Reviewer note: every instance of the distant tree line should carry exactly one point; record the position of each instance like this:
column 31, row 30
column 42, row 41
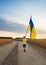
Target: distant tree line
column 6, row 38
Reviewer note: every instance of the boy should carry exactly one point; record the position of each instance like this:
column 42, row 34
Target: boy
column 24, row 43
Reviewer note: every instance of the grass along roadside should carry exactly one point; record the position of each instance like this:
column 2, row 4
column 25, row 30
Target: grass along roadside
column 5, row 41
column 39, row 42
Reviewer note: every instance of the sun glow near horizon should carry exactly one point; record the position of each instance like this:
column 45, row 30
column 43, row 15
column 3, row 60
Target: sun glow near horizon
column 10, row 34
column 20, row 35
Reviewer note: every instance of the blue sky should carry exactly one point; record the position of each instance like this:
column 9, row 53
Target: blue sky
column 19, row 11
column 22, row 8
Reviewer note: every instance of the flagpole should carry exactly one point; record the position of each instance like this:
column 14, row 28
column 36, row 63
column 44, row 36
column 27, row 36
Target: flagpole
column 26, row 33
column 27, row 29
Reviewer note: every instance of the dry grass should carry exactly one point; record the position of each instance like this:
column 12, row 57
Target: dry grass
column 4, row 41
column 39, row 42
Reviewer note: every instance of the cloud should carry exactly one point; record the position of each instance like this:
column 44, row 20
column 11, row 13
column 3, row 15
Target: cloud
column 5, row 25
column 12, row 19
column 41, row 31
column 11, row 24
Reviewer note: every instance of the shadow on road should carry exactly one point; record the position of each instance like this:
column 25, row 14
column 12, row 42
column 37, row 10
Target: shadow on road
column 40, row 50
column 12, row 58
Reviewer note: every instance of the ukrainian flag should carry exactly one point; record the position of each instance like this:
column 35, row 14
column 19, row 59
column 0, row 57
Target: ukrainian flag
column 32, row 29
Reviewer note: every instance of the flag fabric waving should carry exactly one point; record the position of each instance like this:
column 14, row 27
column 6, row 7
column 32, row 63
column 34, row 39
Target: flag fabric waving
column 32, row 29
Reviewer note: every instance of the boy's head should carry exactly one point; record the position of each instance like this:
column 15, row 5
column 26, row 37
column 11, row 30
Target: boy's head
column 24, row 37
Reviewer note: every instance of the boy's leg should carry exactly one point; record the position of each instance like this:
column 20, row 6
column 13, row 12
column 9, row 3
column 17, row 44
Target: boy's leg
column 24, row 45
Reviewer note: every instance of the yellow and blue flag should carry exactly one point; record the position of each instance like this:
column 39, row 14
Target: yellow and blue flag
column 32, row 29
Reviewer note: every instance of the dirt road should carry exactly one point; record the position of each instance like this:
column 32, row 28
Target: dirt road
column 12, row 54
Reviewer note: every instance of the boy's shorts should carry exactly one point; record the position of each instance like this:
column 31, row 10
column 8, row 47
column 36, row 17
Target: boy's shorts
column 24, row 45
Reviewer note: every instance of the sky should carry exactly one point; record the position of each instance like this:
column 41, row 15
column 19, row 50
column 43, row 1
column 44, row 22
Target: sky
column 19, row 11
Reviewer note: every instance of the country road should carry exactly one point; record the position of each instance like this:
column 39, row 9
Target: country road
column 12, row 54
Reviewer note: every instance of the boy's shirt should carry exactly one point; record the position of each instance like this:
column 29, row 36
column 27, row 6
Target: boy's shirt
column 24, row 40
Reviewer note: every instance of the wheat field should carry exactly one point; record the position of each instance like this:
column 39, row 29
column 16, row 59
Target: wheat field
column 5, row 41
column 39, row 42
